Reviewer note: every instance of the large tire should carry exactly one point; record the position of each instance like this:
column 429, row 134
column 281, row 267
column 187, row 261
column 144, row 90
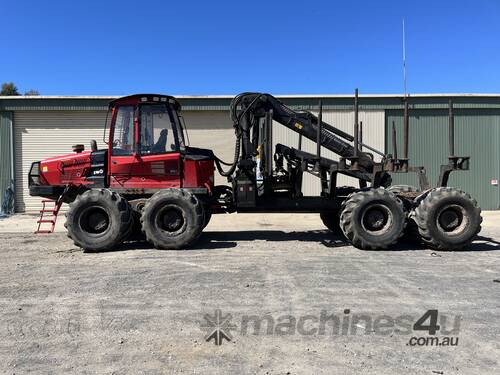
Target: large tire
column 98, row 219
column 372, row 219
column 172, row 219
column 135, row 232
column 448, row 219
column 331, row 220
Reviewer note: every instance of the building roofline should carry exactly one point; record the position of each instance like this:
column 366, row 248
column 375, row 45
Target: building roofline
column 284, row 96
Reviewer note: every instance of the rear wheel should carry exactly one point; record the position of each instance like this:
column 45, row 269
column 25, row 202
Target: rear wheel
column 135, row 232
column 407, row 194
column 372, row 219
column 448, row 219
column 98, row 219
column 331, row 220
column 172, row 219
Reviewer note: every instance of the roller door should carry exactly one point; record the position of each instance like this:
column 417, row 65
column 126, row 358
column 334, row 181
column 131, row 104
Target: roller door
column 39, row 135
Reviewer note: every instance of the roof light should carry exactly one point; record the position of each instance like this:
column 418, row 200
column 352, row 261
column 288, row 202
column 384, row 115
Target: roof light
column 163, row 99
column 144, row 99
column 155, row 98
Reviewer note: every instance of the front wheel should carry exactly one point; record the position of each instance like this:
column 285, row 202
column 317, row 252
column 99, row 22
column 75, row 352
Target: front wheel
column 98, row 219
column 172, row 219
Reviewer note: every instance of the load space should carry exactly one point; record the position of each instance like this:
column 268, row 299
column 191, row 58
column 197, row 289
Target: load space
column 148, row 183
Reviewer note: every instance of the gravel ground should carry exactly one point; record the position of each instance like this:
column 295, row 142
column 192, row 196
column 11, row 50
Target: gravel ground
column 138, row 310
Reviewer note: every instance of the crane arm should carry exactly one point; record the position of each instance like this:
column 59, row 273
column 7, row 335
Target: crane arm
column 248, row 108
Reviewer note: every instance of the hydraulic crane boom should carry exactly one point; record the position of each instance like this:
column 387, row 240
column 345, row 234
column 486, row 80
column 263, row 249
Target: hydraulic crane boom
column 248, row 108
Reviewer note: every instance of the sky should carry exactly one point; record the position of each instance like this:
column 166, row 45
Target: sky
column 225, row 47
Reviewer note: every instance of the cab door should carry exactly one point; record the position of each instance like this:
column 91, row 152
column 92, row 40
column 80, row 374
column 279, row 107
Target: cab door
column 122, row 147
column 154, row 162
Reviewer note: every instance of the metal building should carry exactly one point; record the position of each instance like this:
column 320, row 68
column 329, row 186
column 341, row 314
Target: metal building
column 33, row 128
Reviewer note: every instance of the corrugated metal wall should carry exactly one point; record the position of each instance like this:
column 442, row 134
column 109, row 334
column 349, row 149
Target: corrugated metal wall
column 5, row 152
column 477, row 134
column 373, row 135
column 213, row 130
column 39, row 135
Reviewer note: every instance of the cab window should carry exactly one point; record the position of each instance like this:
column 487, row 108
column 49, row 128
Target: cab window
column 123, row 134
column 156, row 132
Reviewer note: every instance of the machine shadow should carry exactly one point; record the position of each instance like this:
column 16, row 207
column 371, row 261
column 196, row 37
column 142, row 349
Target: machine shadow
column 227, row 240
column 212, row 240
column 323, row 237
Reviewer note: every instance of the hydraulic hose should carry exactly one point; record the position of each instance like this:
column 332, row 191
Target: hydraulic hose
column 237, row 146
column 231, row 170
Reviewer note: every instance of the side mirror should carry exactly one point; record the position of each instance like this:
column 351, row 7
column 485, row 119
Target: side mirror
column 93, row 145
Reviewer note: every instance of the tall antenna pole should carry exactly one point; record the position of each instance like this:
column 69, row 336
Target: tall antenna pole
column 404, row 58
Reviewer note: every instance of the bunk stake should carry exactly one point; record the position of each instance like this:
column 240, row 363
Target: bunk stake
column 361, row 136
column 394, row 142
column 451, row 130
column 406, row 130
column 356, row 134
column 355, row 154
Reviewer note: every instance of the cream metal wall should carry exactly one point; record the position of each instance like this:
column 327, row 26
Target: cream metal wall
column 42, row 134
column 213, row 130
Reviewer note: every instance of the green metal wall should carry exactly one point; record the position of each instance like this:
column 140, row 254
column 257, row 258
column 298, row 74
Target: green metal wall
column 477, row 134
column 5, row 152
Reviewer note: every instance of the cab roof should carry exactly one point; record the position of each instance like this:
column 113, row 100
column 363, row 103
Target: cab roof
column 145, row 98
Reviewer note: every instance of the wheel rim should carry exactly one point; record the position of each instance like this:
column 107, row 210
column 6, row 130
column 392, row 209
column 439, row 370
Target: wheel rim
column 452, row 219
column 376, row 219
column 170, row 219
column 94, row 220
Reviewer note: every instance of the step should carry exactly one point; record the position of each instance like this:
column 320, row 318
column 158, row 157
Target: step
column 54, row 211
column 46, row 221
column 43, row 232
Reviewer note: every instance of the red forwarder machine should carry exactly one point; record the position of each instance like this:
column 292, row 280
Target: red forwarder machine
column 148, row 180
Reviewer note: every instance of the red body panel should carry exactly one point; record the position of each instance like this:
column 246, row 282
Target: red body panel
column 198, row 173
column 130, row 172
column 145, row 172
column 66, row 169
